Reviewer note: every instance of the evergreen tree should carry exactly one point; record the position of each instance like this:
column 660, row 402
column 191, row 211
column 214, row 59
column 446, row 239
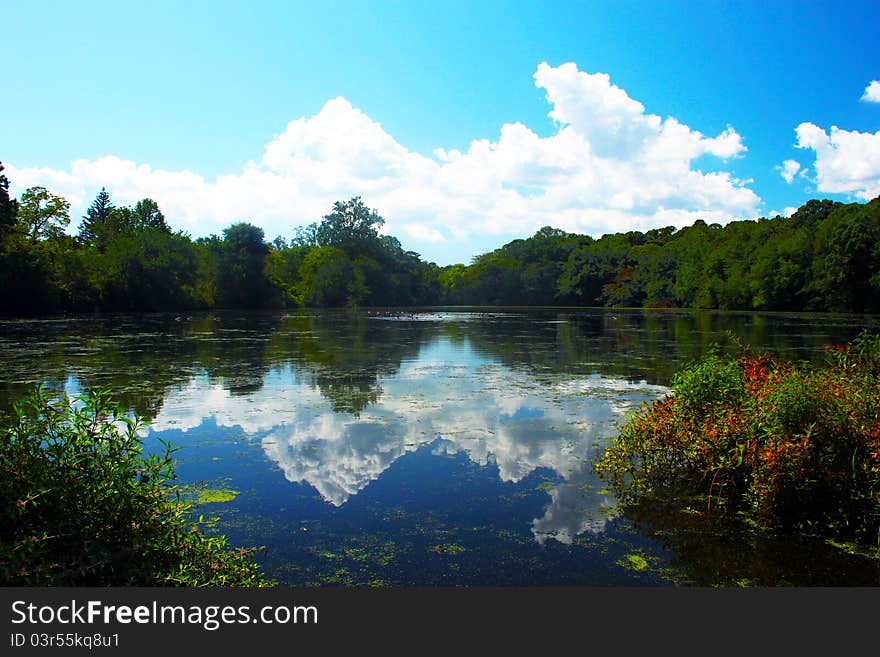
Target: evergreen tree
column 91, row 229
column 8, row 206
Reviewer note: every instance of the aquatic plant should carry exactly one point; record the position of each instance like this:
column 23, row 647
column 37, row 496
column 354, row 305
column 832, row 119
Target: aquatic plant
column 781, row 445
column 81, row 504
column 215, row 495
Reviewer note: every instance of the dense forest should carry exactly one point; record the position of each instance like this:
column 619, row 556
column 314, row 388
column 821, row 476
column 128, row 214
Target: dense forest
column 825, row 257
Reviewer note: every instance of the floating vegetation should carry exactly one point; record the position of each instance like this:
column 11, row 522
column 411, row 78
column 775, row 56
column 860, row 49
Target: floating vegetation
column 389, row 454
column 451, row 549
column 633, row 562
column 850, row 547
column 513, row 537
column 215, row 495
column 395, row 514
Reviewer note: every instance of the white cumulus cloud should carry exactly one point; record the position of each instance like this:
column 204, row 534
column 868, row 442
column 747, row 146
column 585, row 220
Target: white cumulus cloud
column 608, row 166
column 847, row 162
column 789, row 169
column 786, row 212
column 872, row 92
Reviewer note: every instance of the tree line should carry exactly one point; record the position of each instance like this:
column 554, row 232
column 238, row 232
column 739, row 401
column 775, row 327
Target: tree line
column 825, row 257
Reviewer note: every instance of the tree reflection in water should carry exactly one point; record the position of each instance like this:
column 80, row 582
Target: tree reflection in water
column 354, row 403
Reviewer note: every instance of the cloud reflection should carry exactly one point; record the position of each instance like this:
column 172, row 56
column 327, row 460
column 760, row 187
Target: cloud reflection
column 491, row 413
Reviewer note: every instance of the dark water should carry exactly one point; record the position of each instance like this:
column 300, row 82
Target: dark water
column 428, row 448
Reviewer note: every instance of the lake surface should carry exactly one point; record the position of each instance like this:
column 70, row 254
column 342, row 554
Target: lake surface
column 435, row 447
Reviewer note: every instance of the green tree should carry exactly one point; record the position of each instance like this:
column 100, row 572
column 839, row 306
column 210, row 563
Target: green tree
column 524, row 271
column 352, row 227
column 495, row 279
column 42, row 215
column 148, row 215
column 592, row 267
column 283, row 270
column 92, row 227
column 8, row 206
column 34, row 270
column 814, row 212
column 208, row 269
column 656, row 267
column 327, row 278
column 306, row 236
column 242, row 282
column 452, row 279
column 846, row 264
column 692, row 244
column 148, row 270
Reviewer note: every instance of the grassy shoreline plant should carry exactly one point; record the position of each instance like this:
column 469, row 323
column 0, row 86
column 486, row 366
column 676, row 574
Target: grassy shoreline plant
column 82, row 505
column 782, row 446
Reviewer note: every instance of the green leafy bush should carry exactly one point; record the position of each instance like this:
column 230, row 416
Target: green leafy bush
column 714, row 380
column 785, row 446
column 82, row 505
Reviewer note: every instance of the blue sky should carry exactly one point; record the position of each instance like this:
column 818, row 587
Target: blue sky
column 465, row 124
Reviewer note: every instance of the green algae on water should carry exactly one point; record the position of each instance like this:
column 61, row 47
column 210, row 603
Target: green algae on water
column 212, row 495
column 633, row 562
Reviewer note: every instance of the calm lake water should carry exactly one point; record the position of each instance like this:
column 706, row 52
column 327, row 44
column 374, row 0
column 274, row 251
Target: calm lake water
column 436, row 447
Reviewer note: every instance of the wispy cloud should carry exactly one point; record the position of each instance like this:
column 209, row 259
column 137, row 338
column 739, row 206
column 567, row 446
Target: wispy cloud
column 789, row 169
